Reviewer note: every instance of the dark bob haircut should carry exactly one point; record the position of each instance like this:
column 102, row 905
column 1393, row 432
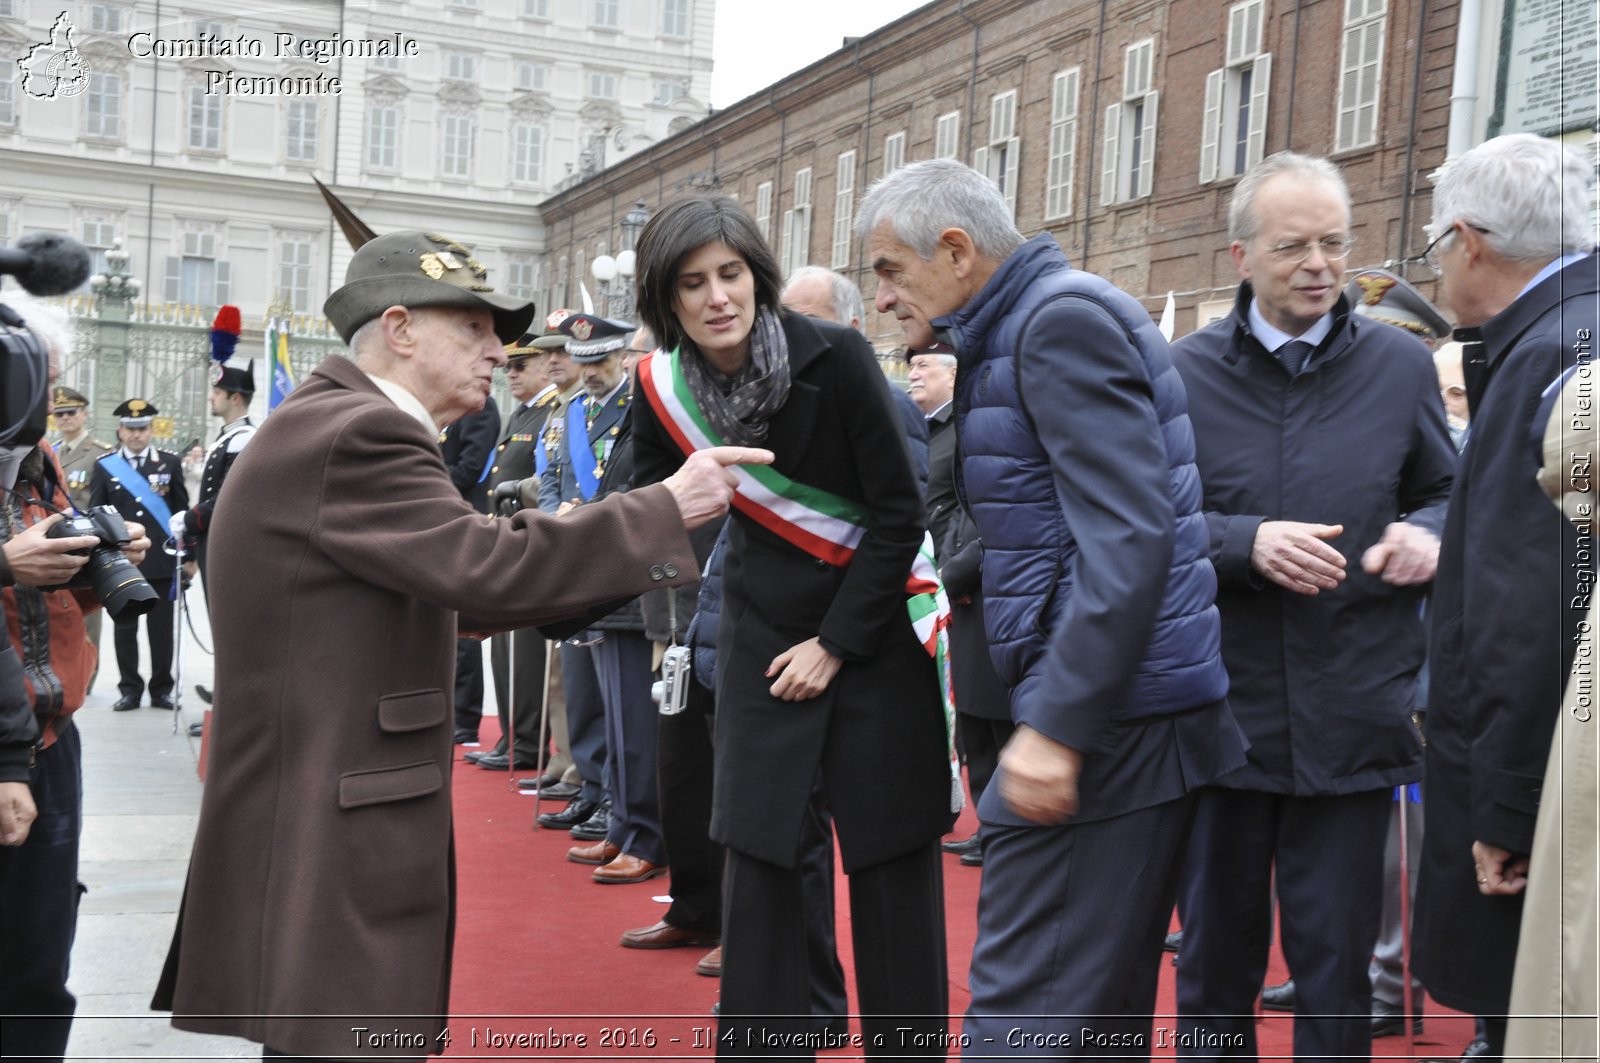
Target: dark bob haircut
column 679, row 229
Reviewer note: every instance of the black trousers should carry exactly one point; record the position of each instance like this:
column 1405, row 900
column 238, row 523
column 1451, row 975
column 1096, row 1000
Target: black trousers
column 469, row 684
column 525, row 651
column 983, row 738
column 897, row 915
column 158, row 627
column 1326, row 856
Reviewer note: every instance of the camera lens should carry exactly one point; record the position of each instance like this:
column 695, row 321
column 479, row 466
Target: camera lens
column 118, row 584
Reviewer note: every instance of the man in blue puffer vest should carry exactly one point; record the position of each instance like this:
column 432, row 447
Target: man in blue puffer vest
column 1078, row 465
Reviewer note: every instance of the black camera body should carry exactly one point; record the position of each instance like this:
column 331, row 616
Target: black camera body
column 113, row 578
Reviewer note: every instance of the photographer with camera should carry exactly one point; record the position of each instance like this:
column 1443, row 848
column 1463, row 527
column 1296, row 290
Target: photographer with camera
column 44, row 672
column 144, row 484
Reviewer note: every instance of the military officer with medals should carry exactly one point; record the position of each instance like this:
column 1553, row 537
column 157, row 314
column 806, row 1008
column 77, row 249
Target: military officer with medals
column 144, row 484
column 78, row 450
column 518, row 456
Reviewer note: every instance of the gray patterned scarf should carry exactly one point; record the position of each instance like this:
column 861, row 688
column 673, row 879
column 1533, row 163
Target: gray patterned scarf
column 739, row 406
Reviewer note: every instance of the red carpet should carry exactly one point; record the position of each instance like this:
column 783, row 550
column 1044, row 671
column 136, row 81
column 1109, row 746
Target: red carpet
column 539, row 973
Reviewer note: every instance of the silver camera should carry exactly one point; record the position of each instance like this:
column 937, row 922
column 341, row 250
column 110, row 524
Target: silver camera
column 671, row 692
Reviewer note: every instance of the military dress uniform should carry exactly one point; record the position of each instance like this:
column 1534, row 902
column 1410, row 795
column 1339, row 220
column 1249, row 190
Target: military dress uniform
column 163, row 473
column 78, row 460
column 219, row 459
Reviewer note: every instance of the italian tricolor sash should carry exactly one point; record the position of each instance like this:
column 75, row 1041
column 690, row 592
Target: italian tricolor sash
column 818, row 522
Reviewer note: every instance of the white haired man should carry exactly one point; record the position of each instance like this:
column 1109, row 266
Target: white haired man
column 1512, row 239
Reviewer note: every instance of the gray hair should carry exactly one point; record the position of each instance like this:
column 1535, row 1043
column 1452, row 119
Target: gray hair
column 848, row 305
column 922, row 200
column 49, row 323
column 1242, row 221
column 364, row 336
column 1532, row 196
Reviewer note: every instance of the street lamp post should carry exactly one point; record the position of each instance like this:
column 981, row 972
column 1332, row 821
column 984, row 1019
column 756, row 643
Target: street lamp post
column 114, row 293
column 614, row 276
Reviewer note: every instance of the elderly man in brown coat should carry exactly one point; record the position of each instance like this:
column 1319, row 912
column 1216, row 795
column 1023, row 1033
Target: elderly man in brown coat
column 319, row 909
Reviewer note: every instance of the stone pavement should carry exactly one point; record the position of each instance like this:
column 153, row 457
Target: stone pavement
column 141, row 801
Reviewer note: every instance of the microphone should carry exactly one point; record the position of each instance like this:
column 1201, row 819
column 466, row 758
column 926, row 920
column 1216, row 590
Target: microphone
column 46, row 263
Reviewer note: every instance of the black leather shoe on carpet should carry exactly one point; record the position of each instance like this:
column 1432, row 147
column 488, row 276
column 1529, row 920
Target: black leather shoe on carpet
column 575, row 813
column 960, row 846
column 973, row 857
column 1393, row 1024
column 1278, row 997
column 466, row 738
column 1173, row 942
column 204, row 692
column 125, row 704
column 595, row 827
column 476, row 755
column 502, row 762
column 559, row 791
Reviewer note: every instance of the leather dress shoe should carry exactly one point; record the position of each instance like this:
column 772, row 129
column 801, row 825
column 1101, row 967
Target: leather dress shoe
column 595, row 827
column 125, row 704
column 579, row 810
column 1278, row 997
column 537, row 782
column 1393, row 1024
column 664, row 935
column 1173, row 941
column 710, row 965
column 599, row 853
column 627, row 868
column 960, row 846
column 162, row 702
column 973, row 857
column 476, row 755
column 1475, row 1048
column 466, row 738
column 197, row 730
column 557, row 791
column 503, row 762
column 204, row 692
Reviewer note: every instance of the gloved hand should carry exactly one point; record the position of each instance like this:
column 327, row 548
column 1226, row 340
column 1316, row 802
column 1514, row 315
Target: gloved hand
column 507, row 499
column 175, row 526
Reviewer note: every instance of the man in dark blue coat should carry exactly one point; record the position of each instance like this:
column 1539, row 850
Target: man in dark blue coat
column 1512, row 225
column 1322, row 445
column 1079, row 466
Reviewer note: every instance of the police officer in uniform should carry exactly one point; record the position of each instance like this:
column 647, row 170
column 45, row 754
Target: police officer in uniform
column 145, row 485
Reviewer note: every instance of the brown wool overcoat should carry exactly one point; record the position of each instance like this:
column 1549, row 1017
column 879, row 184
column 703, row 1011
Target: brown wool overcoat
column 320, row 895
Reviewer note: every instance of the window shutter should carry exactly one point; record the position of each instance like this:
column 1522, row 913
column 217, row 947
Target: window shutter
column 1009, row 183
column 1113, row 151
column 1147, row 160
column 224, row 281
column 172, row 281
column 1211, row 125
column 1260, row 82
column 980, row 162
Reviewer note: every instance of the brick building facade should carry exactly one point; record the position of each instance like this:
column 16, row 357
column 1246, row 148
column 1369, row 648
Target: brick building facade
column 1119, row 127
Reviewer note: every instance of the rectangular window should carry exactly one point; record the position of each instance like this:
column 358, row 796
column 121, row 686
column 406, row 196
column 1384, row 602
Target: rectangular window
column 946, row 135
column 797, row 224
column 527, row 153
column 1063, row 143
column 104, row 18
column 522, row 276
column 383, row 138
column 1233, row 127
column 294, row 274
column 8, row 94
column 455, row 160
column 466, row 3
column 605, row 14
column 894, row 152
column 209, row 27
column 602, row 86
column 535, row 8
column 205, row 120
column 999, row 158
column 764, row 209
column 8, row 8
column 1130, row 142
column 102, row 106
column 300, row 124
column 1360, row 73
column 385, row 62
column 532, row 77
column 99, row 236
column 674, row 18
column 668, row 92
column 461, row 66
column 197, row 277
column 844, row 201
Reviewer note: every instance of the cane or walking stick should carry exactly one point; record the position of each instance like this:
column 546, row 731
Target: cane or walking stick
column 1405, row 925
column 177, row 637
column 544, row 726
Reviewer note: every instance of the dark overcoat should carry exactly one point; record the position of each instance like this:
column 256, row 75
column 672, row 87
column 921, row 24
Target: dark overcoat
column 1513, row 584
column 877, row 733
column 321, row 890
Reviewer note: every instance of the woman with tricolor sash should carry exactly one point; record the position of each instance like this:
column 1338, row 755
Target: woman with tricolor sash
column 829, row 658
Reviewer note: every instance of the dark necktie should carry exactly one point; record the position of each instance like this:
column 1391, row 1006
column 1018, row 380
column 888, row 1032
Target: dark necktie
column 1293, row 355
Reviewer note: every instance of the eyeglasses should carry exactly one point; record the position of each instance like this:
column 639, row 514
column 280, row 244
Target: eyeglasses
column 67, row 411
column 1333, row 250
column 1430, row 254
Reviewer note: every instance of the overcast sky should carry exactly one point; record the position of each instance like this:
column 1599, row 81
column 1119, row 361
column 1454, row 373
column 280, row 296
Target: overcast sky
column 759, row 43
